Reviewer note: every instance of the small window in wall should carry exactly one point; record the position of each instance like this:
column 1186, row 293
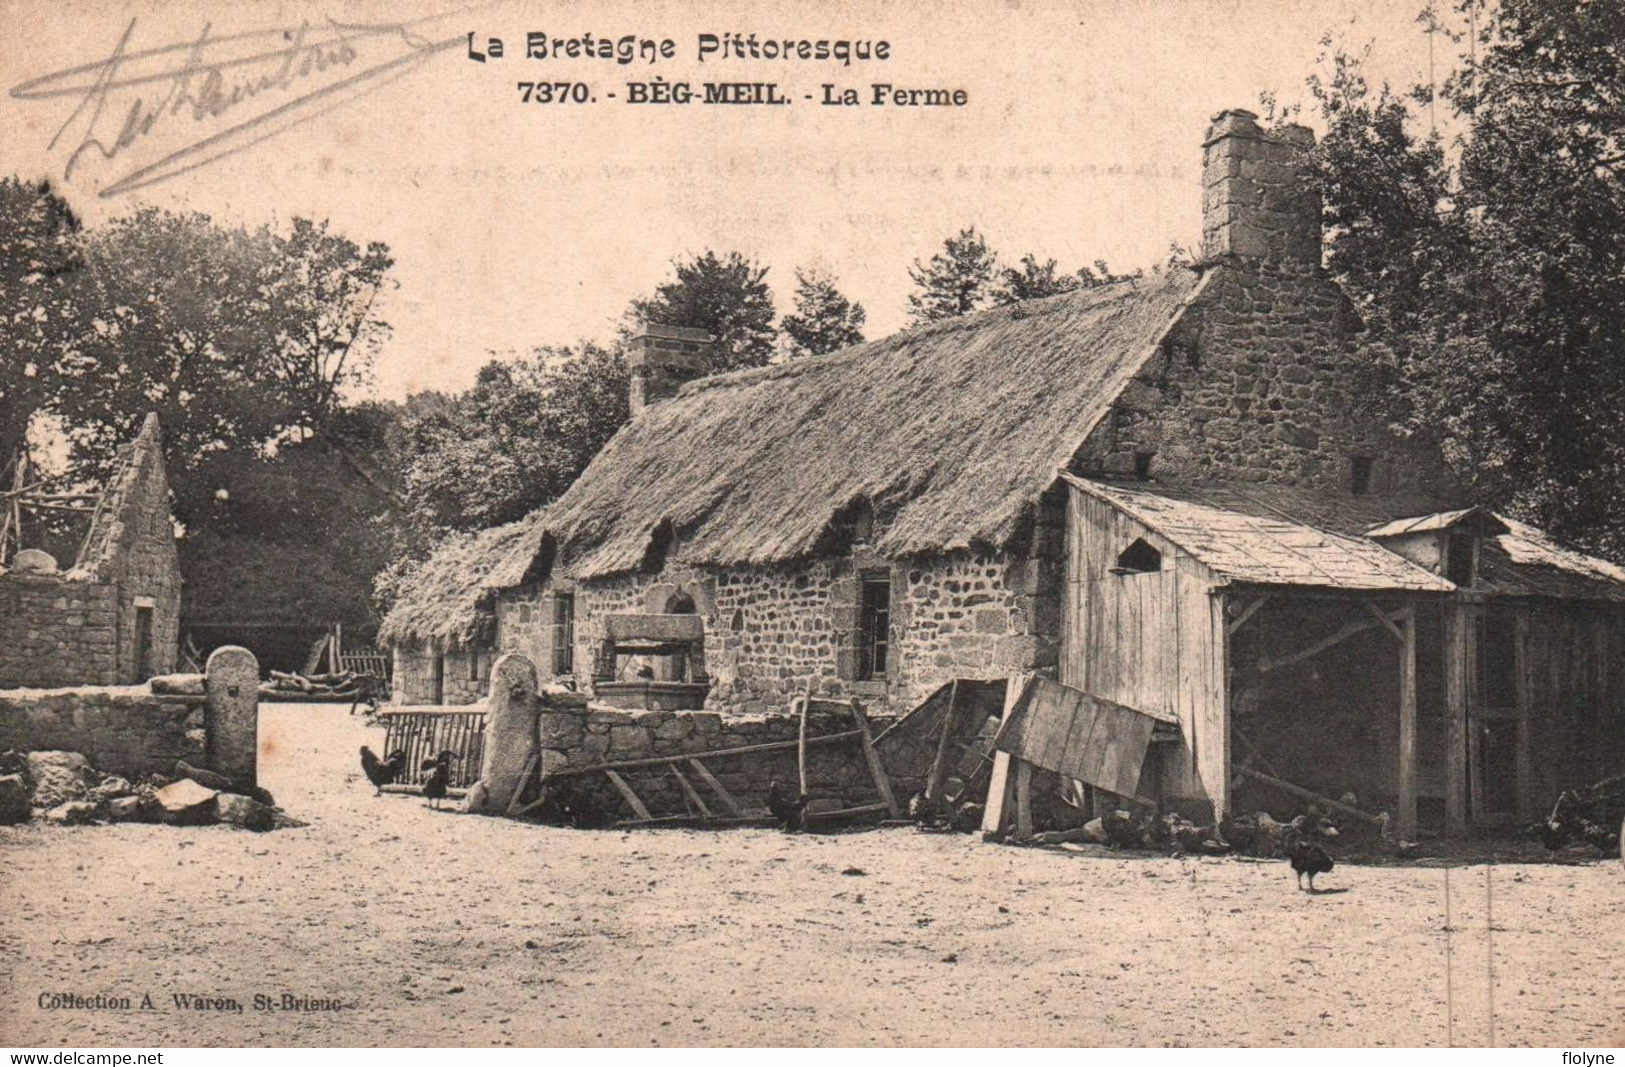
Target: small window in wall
column 1138, row 558
column 564, row 633
column 474, row 666
column 1461, row 559
column 874, row 627
column 1142, row 466
column 1360, row 475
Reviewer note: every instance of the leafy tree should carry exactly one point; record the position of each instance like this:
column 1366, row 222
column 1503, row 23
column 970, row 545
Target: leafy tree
column 513, row 441
column 1488, row 266
column 1032, row 280
column 237, row 339
column 725, row 295
column 956, row 281
column 40, row 309
column 824, row 319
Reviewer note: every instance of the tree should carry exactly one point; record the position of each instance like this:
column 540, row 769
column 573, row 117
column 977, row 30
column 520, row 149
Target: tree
column 956, row 281
column 1487, row 267
column 40, row 307
column 238, row 339
column 824, row 319
column 1033, row 280
column 728, row 296
column 512, row 442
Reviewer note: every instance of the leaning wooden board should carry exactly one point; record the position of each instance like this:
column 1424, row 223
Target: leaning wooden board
column 1070, row 732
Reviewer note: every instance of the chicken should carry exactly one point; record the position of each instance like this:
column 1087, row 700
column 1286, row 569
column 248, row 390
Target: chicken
column 1239, row 831
column 434, row 786
column 1121, row 831
column 382, row 772
column 1307, row 858
column 791, row 813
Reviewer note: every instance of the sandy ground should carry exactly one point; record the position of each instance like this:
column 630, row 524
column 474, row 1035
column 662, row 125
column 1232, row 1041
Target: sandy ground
column 444, row 929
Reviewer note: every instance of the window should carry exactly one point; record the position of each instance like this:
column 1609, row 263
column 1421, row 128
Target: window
column 1360, row 475
column 1142, row 466
column 564, row 633
column 1138, row 558
column 1461, row 552
column 874, row 626
column 474, row 664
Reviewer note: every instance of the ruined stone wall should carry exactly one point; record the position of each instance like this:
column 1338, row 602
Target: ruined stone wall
column 769, row 631
column 1260, row 383
column 123, row 730
column 56, row 632
column 146, row 566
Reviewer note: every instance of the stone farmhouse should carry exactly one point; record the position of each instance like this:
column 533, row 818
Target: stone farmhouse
column 1163, row 493
column 112, row 616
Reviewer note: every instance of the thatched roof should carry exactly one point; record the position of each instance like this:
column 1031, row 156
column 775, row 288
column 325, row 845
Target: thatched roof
column 446, row 603
column 949, row 432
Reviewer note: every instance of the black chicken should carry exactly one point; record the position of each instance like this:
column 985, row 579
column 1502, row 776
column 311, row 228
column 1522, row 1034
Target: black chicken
column 1307, row 858
column 790, row 812
column 382, row 772
column 434, row 786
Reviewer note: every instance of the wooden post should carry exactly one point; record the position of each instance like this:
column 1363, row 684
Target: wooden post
column 801, row 742
column 1001, row 783
column 1456, row 689
column 1526, row 692
column 877, row 770
column 939, row 763
column 1407, row 730
column 1024, row 800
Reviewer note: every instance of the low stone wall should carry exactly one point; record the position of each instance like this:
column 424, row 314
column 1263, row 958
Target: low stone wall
column 56, row 632
column 140, row 729
column 573, row 732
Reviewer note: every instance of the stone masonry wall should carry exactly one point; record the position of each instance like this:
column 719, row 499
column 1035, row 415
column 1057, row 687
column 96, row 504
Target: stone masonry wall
column 1259, row 383
column 147, row 566
column 574, row 734
column 413, row 676
column 56, row 632
column 769, row 631
column 122, row 730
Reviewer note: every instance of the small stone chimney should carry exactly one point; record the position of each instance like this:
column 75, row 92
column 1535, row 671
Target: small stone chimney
column 661, row 358
column 1258, row 201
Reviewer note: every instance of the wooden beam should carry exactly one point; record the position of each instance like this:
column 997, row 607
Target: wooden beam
column 1457, row 686
column 847, row 813
column 627, row 795
column 1001, row 783
column 524, row 780
column 694, row 798
column 1310, row 794
column 1246, row 613
column 1387, row 620
column 1407, row 730
column 801, row 745
column 1523, row 668
column 1343, row 634
column 877, row 769
column 717, row 753
column 723, row 795
column 1024, row 800
column 939, row 762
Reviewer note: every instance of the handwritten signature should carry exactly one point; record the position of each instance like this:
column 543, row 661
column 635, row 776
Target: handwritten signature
column 129, row 96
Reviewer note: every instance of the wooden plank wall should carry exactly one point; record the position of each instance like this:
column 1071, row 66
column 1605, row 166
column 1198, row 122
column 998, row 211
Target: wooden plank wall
column 1576, row 691
column 1152, row 641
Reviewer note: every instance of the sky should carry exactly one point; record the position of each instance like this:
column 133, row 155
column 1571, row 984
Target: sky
column 515, row 224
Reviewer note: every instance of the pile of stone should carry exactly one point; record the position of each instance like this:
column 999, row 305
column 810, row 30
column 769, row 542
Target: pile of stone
column 63, row 787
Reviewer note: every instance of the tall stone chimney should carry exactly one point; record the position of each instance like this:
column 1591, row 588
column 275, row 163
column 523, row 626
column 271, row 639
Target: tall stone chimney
column 1258, row 202
column 661, row 358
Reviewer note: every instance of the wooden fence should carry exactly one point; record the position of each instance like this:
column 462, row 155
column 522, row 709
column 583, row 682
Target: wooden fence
column 425, row 732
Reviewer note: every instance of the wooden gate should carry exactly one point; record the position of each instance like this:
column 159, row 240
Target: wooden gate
column 425, row 732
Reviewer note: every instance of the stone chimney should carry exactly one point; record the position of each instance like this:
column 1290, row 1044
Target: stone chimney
column 661, row 358
column 1258, row 202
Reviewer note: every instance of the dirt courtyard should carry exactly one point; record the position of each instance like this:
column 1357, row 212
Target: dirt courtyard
column 442, row 929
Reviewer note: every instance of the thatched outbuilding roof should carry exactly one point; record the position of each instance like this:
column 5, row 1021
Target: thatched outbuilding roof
column 446, row 603
column 949, row 432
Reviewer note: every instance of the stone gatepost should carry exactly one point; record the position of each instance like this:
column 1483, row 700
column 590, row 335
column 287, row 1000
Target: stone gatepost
column 231, row 718
column 510, row 730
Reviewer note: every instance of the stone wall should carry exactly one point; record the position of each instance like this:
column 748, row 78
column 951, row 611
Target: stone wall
column 770, row 631
column 56, row 632
column 146, row 566
column 574, row 734
column 123, row 730
column 208, row 719
column 466, row 676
